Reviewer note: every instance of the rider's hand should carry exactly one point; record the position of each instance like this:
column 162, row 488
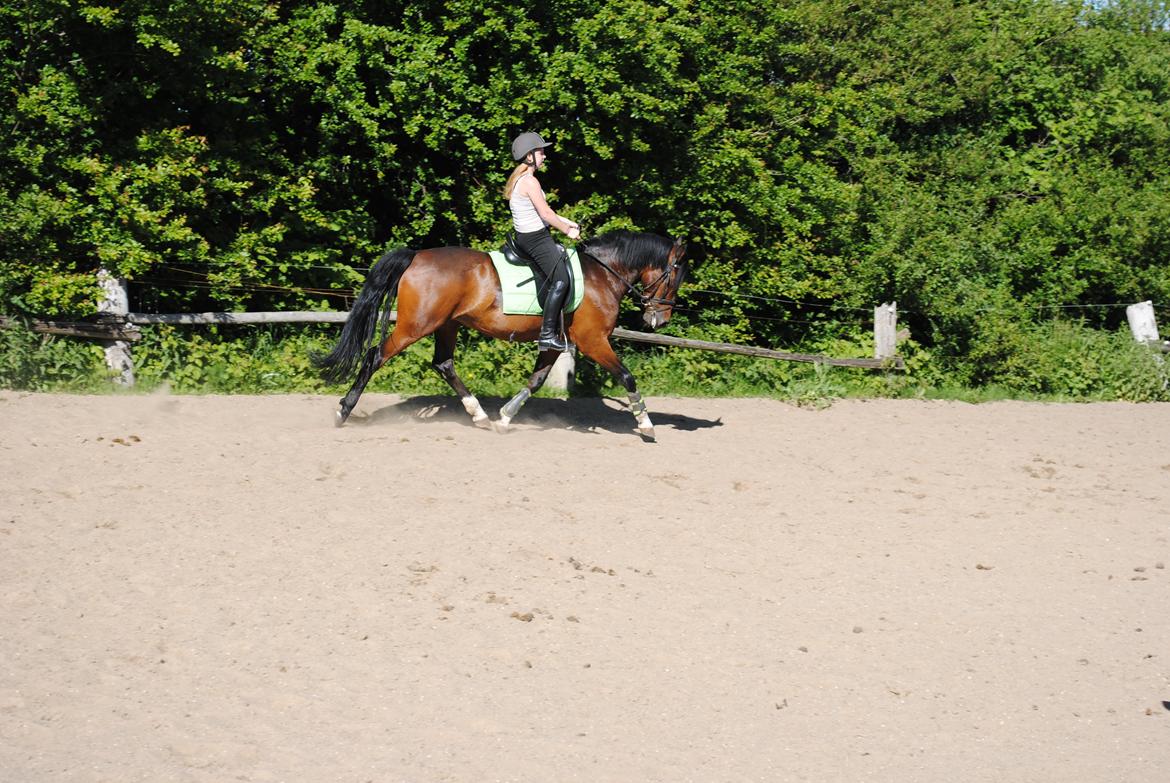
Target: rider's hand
column 574, row 231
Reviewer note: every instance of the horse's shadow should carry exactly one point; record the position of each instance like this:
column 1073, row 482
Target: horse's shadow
column 588, row 415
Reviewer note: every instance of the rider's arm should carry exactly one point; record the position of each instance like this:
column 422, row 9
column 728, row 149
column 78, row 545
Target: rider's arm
column 534, row 191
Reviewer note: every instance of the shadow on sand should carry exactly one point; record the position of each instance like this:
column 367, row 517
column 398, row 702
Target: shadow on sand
column 580, row 414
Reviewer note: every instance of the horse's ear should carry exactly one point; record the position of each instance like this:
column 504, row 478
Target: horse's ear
column 680, row 247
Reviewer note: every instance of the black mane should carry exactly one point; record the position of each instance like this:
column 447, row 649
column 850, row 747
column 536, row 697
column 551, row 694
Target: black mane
column 634, row 250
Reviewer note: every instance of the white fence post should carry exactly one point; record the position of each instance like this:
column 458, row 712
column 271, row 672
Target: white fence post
column 885, row 330
column 1142, row 323
column 115, row 305
column 560, row 377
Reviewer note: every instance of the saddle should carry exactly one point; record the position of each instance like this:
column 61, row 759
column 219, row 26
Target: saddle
column 516, row 257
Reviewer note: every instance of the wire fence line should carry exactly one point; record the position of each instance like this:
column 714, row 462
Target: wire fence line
column 353, row 292
column 347, row 294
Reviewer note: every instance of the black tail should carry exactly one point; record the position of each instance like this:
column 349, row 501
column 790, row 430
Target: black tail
column 377, row 295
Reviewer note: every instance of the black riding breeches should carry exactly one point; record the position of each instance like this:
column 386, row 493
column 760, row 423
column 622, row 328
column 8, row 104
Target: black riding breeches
column 547, row 254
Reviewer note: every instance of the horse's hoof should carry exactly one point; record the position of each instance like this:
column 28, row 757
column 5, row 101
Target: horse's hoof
column 339, row 418
column 501, row 426
column 647, row 433
column 483, row 422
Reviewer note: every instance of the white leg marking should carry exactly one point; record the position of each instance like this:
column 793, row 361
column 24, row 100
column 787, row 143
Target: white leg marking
column 475, row 410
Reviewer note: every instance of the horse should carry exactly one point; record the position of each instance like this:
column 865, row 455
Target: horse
column 439, row 290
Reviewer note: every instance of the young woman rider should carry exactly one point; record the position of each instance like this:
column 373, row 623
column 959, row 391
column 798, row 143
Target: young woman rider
column 532, row 217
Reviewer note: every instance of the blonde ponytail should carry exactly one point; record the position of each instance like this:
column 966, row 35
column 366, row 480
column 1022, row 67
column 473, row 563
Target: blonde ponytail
column 517, row 173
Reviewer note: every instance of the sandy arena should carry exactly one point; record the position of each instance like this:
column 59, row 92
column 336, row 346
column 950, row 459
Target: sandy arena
column 230, row 589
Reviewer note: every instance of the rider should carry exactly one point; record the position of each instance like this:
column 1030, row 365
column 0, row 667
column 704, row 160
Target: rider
column 531, row 217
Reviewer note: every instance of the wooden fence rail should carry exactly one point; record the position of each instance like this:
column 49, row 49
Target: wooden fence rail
column 291, row 317
column 122, row 327
column 93, row 330
column 124, row 331
column 891, row 363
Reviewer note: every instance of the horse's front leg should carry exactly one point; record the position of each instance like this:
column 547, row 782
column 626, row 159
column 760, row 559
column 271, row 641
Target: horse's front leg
column 444, row 364
column 544, row 363
column 638, row 408
column 599, row 350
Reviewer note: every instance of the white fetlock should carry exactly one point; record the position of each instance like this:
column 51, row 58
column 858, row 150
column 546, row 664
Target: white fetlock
column 475, row 410
column 501, row 424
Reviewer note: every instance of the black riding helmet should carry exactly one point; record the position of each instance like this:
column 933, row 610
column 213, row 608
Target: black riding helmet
column 525, row 143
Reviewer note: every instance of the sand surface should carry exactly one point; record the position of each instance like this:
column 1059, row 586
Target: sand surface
column 231, row 589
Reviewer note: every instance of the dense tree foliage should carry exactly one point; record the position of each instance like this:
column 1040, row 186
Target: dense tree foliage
column 989, row 165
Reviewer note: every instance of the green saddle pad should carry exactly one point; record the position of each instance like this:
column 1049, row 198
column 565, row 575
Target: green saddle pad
column 519, row 287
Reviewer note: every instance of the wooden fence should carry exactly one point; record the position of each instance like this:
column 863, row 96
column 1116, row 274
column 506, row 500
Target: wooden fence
column 117, row 328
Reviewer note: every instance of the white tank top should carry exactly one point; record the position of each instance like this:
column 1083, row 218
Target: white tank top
column 525, row 218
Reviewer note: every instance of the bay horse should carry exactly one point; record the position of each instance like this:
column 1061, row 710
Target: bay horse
column 442, row 289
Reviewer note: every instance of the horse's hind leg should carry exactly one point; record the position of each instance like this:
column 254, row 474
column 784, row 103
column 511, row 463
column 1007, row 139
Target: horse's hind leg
column 444, row 364
column 398, row 341
column 370, row 362
column 544, row 363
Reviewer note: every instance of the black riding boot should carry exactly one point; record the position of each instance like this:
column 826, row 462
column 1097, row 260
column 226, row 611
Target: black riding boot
column 551, row 338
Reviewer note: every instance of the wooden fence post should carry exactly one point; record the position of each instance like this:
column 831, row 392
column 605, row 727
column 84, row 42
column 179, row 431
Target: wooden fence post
column 115, row 306
column 885, row 330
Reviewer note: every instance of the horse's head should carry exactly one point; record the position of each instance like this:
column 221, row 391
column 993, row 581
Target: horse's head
column 660, row 286
column 649, row 267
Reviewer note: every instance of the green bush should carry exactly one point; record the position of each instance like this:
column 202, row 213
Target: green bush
column 226, row 360
column 1068, row 360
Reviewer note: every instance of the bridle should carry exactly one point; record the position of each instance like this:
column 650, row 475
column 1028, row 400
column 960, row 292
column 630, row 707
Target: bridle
column 646, row 295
